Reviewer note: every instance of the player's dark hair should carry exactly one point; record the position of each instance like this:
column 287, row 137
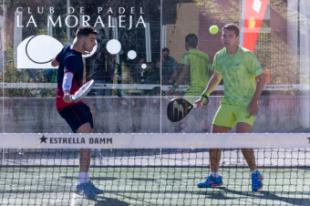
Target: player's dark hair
column 191, row 40
column 85, row 31
column 232, row 27
column 165, row 50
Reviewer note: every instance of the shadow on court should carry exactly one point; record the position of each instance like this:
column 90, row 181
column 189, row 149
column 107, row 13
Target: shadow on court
column 216, row 194
column 261, row 195
column 290, row 200
column 110, row 202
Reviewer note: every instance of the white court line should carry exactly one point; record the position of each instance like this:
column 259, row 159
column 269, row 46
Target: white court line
column 72, row 200
column 75, row 197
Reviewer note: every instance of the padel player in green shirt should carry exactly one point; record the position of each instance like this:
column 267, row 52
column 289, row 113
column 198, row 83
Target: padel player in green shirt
column 243, row 84
column 195, row 67
column 195, row 64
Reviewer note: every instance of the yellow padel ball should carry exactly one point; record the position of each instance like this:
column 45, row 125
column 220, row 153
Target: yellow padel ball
column 214, row 29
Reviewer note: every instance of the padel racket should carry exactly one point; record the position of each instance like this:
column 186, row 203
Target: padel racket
column 83, row 91
column 178, row 108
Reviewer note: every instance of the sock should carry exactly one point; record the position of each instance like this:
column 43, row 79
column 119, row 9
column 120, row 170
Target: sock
column 84, row 177
column 214, row 174
column 254, row 171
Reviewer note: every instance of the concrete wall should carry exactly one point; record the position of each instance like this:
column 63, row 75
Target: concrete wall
column 277, row 114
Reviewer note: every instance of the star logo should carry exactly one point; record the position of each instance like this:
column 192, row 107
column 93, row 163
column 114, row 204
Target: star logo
column 43, row 139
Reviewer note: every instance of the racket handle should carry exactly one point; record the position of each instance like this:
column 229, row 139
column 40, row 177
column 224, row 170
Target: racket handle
column 69, row 98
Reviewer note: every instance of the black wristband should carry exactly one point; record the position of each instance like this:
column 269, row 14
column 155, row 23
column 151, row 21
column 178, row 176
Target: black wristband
column 205, row 95
column 205, row 98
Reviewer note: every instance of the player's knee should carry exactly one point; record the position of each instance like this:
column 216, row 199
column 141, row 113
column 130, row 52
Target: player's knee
column 85, row 128
column 243, row 128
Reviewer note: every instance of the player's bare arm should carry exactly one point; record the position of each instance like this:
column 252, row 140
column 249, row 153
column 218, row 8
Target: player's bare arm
column 212, row 84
